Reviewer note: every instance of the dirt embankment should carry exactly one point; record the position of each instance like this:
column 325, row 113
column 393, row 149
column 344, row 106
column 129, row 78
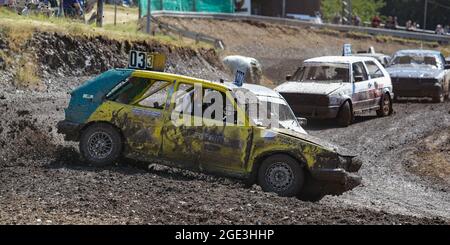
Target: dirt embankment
column 32, row 61
column 280, row 48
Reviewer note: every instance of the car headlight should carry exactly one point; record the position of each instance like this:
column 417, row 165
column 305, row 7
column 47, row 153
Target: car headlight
column 335, row 100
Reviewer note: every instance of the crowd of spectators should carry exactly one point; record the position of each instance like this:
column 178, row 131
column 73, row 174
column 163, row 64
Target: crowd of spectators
column 72, row 8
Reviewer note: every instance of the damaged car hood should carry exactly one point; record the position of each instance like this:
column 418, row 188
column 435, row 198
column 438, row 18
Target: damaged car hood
column 414, row 71
column 323, row 143
column 309, row 87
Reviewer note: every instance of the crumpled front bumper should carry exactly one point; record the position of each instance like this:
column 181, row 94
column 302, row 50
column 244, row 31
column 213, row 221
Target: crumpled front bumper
column 335, row 181
column 70, row 129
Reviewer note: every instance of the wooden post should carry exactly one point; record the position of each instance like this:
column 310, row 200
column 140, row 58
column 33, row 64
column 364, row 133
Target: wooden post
column 61, row 8
column 99, row 13
column 115, row 12
column 149, row 2
column 425, row 15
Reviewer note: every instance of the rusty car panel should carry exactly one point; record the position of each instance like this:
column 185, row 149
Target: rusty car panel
column 150, row 134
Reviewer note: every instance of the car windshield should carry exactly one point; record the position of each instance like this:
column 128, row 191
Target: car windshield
column 323, row 73
column 416, row 59
column 268, row 110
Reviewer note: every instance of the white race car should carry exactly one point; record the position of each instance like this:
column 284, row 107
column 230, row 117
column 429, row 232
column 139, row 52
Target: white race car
column 339, row 87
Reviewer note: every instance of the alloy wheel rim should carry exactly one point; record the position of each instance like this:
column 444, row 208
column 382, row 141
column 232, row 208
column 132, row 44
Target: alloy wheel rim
column 100, row 145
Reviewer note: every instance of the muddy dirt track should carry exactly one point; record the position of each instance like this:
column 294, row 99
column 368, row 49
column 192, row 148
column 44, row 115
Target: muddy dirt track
column 43, row 180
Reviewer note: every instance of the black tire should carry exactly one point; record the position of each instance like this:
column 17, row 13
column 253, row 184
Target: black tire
column 101, row 144
column 385, row 106
column 440, row 98
column 281, row 174
column 345, row 115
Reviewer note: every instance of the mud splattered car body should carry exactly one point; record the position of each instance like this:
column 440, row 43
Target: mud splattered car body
column 338, row 87
column 147, row 133
column 420, row 73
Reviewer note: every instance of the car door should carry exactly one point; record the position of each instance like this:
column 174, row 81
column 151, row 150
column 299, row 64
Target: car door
column 360, row 95
column 226, row 144
column 182, row 135
column 141, row 104
column 376, row 82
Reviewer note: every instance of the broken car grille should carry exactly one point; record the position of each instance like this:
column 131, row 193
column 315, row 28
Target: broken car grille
column 294, row 99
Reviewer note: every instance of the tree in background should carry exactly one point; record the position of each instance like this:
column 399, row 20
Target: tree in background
column 365, row 9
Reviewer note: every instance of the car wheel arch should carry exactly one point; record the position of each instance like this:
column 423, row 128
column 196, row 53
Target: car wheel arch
column 350, row 102
column 89, row 124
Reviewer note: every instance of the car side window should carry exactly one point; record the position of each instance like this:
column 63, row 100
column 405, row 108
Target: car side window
column 128, row 90
column 374, row 70
column 359, row 72
column 184, row 99
column 218, row 107
column 155, row 96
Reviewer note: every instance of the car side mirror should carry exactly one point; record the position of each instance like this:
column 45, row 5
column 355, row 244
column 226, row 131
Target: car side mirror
column 302, row 121
column 288, row 77
column 359, row 78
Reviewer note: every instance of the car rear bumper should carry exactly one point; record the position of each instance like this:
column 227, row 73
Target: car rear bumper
column 69, row 129
column 336, row 181
column 317, row 112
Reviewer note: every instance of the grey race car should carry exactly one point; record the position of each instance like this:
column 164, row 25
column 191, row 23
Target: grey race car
column 420, row 73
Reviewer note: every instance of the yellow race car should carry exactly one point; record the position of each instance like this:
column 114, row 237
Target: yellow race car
column 130, row 113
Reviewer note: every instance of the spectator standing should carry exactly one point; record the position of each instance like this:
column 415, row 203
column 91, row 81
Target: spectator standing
column 337, row 19
column 356, row 20
column 389, row 21
column 439, row 30
column 409, row 25
column 376, row 21
column 72, row 8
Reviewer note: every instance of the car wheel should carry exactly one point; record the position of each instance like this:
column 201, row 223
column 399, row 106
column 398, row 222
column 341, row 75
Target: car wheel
column 345, row 115
column 439, row 98
column 385, row 106
column 281, row 174
column 100, row 144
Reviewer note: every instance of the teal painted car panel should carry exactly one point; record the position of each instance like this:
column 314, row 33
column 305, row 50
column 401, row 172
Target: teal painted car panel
column 89, row 96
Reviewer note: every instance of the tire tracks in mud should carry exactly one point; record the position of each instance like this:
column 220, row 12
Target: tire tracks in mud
column 387, row 145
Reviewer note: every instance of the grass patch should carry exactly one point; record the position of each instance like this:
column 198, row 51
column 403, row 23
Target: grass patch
column 26, row 74
column 24, row 26
column 386, row 39
column 446, row 51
